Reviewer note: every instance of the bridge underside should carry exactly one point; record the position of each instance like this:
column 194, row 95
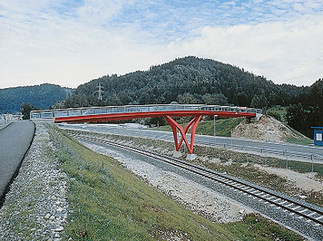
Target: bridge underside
column 196, row 114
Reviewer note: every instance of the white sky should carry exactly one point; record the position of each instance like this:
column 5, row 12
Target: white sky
column 71, row 42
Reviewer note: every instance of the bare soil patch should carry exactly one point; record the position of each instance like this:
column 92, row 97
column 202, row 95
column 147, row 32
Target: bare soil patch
column 304, row 181
column 266, row 129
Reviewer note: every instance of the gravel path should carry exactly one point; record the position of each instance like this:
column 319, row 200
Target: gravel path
column 35, row 208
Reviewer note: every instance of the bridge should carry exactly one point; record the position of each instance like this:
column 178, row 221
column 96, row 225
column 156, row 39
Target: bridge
column 128, row 112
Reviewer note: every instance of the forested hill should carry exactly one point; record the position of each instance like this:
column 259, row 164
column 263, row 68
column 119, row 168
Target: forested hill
column 40, row 96
column 195, row 80
column 187, row 80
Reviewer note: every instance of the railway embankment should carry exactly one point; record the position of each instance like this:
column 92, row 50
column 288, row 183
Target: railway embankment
column 65, row 191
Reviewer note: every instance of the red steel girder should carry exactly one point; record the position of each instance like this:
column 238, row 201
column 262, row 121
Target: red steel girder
column 192, row 124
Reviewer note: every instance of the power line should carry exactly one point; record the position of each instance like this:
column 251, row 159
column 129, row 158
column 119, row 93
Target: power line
column 100, row 91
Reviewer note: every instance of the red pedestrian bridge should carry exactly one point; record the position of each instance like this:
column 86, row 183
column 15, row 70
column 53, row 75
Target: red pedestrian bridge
column 128, row 112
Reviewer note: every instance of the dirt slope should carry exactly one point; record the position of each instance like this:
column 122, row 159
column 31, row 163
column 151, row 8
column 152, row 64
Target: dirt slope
column 266, row 129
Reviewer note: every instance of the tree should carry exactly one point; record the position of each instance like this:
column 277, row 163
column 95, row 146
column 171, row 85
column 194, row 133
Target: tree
column 77, row 100
column 297, row 117
column 25, row 110
column 308, row 111
column 155, row 121
column 242, row 99
column 259, row 101
column 214, row 99
column 187, row 98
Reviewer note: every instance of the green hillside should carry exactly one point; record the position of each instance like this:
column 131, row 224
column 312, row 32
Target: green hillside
column 40, row 96
column 187, row 80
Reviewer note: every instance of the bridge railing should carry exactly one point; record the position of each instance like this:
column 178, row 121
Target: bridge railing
column 85, row 111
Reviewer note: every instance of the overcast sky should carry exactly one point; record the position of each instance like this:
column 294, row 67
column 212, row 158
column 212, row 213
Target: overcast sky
column 70, row 42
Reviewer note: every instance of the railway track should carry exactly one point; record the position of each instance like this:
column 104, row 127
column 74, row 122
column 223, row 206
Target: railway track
column 296, row 208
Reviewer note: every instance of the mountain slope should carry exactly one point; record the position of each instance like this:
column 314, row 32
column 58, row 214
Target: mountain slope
column 41, row 96
column 186, row 80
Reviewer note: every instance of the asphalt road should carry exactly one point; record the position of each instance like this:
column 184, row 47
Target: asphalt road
column 15, row 140
column 282, row 150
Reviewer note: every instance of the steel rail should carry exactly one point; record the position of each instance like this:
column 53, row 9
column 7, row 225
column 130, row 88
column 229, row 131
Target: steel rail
column 266, row 195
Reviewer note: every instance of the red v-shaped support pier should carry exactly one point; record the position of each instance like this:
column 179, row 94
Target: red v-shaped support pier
column 192, row 124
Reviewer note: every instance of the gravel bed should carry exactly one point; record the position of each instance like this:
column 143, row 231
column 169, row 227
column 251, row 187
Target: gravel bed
column 203, row 196
column 36, row 207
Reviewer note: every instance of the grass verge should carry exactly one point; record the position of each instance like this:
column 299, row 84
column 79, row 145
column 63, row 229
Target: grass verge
column 299, row 138
column 110, row 203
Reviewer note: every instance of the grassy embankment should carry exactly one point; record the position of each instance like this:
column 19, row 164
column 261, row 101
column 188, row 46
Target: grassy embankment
column 110, row 203
column 279, row 113
column 299, row 139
